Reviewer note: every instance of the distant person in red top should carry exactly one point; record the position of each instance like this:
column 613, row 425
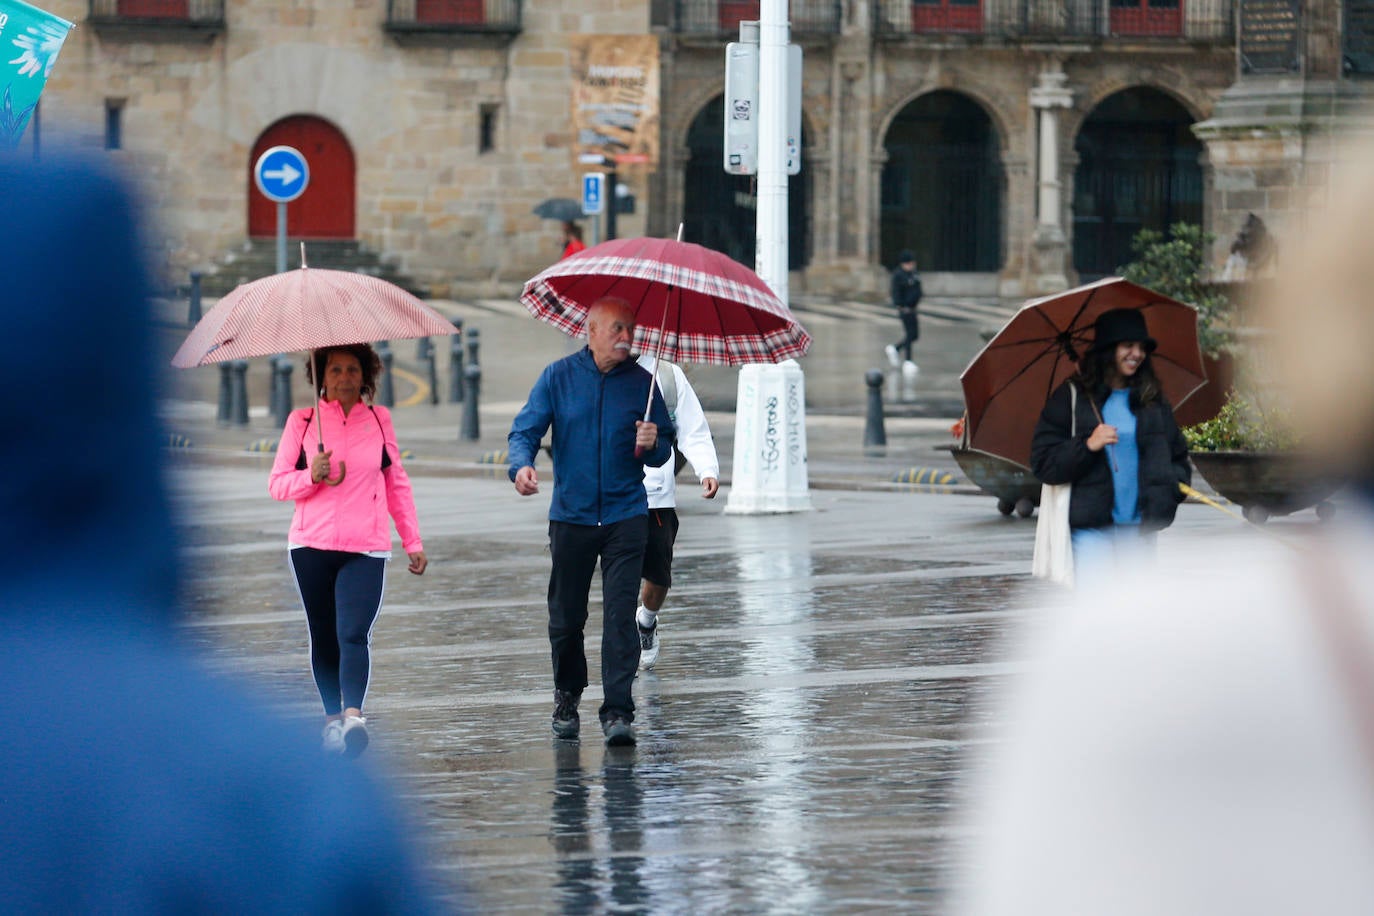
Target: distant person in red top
column 572, row 240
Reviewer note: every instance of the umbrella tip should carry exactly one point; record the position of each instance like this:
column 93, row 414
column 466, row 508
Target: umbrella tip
column 303, row 264
column 679, row 232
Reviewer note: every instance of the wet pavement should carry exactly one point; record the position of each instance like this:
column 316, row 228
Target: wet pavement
column 822, row 677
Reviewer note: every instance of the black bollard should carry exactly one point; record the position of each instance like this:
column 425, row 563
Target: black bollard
column 226, row 384
column 474, row 339
column 386, row 390
column 238, row 393
column 471, row 429
column 274, row 389
column 281, row 388
column 193, row 311
column 455, row 363
column 431, row 367
column 874, row 434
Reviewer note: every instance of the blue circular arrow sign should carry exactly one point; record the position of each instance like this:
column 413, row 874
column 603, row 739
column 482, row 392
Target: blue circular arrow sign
column 281, row 174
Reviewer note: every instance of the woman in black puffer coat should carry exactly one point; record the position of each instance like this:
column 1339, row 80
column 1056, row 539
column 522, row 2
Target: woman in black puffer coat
column 1128, row 456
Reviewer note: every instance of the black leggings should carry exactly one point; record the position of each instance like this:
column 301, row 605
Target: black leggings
column 341, row 593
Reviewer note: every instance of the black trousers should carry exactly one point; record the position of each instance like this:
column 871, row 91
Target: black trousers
column 576, row 549
column 911, row 329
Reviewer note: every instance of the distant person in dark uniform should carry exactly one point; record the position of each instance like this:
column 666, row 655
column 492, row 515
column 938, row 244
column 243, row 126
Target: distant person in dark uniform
column 906, row 295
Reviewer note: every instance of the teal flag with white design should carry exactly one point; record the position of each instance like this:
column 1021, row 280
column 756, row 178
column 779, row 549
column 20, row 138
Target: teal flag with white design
column 29, row 42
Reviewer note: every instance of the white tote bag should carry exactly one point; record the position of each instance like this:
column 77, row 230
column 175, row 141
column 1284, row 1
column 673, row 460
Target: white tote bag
column 1053, row 557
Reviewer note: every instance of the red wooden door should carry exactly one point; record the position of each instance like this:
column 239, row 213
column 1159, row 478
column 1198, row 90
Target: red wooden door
column 732, row 12
column 947, row 16
column 153, row 9
column 325, row 210
column 1147, row 17
column 451, row 12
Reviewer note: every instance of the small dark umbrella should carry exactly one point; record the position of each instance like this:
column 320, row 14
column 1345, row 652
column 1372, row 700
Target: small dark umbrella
column 559, row 208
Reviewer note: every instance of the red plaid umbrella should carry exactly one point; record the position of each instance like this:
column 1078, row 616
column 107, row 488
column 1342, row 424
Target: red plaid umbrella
column 1007, row 384
column 306, row 309
column 691, row 304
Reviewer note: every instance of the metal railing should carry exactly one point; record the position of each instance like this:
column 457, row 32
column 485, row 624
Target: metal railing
column 454, row 16
column 722, row 17
column 1186, row 20
column 172, row 13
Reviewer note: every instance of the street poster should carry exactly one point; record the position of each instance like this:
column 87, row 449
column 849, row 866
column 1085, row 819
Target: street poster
column 615, row 100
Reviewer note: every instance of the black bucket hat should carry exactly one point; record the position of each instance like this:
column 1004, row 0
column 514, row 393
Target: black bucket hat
column 905, row 255
column 1119, row 325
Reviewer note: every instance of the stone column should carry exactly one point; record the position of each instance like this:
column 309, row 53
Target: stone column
column 1049, row 245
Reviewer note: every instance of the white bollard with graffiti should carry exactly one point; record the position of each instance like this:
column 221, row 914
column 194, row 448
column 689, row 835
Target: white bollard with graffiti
column 769, row 470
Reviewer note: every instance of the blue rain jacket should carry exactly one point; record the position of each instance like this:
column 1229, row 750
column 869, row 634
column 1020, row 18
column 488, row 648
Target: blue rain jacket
column 597, row 478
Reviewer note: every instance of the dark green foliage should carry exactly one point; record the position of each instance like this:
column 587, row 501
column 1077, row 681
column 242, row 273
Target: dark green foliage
column 1174, row 266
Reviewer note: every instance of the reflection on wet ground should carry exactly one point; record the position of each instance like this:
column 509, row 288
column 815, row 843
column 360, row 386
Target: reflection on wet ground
column 800, row 740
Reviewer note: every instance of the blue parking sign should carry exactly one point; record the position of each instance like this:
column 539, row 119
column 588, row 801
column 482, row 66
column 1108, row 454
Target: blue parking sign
column 593, row 193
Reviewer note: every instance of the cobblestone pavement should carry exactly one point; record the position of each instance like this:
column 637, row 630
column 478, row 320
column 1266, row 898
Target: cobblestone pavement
column 822, row 678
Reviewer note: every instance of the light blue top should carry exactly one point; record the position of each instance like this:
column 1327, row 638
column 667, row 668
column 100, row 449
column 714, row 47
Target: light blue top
column 1125, row 458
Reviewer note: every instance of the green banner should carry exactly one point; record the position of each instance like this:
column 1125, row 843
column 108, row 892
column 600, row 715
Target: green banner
column 29, row 42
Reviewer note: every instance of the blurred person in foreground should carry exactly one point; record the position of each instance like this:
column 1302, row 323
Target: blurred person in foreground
column 133, row 780
column 1201, row 740
column 1114, row 438
column 694, row 443
column 347, row 492
column 594, row 400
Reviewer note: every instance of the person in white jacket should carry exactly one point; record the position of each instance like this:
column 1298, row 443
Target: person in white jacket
column 695, row 444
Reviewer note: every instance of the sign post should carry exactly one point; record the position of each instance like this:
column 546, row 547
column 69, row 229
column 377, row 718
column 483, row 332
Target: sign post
column 281, row 174
column 594, row 200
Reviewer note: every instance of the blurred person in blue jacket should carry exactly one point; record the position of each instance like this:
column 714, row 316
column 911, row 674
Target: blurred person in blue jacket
column 594, row 400
column 134, row 781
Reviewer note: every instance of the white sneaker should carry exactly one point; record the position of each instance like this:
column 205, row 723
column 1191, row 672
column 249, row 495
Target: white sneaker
column 648, row 644
column 354, row 733
column 892, row 356
column 333, row 737
column 910, row 369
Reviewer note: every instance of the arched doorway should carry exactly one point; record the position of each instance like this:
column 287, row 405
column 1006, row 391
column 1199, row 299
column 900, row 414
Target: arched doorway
column 325, row 210
column 942, row 186
column 1138, row 168
column 719, row 210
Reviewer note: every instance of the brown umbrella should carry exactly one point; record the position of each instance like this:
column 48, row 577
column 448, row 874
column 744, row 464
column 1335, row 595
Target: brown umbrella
column 1008, row 382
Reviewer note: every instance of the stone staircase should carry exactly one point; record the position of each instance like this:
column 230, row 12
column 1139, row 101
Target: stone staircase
column 258, row 258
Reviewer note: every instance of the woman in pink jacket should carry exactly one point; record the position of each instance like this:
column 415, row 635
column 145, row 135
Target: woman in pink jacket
column 339, row 461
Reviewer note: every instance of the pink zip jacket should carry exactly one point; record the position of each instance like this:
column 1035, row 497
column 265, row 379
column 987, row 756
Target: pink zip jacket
column 353, row 515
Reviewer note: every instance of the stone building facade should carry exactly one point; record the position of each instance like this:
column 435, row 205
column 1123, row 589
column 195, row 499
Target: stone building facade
column 1015, row 145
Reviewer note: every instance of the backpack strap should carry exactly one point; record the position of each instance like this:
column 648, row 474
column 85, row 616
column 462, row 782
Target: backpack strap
column 301, row 463
column 386, row 457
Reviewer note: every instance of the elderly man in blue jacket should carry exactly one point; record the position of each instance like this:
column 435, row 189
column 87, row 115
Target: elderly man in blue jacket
column 594, row 399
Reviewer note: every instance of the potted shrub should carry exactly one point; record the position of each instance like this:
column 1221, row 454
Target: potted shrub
column 1248, row 454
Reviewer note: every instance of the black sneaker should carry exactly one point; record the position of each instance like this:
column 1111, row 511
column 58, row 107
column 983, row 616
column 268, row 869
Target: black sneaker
column 619, row 732
column 566, row 722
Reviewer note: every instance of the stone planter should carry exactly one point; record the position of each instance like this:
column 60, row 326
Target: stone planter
column 1265, row 483
column 1015, row 487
